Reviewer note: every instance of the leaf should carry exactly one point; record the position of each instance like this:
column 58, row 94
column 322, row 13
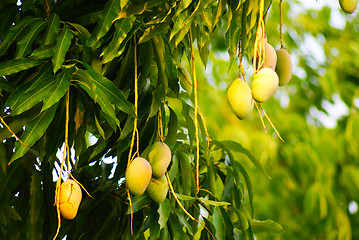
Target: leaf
column 213, row 203
column 31, row 98
column 35, row 129
column 115, row 94
column 124, row 31
column 43, row 73
column 152, row 31
column 17, row 65
column 159, row 54
column 108, row 15
column 172, row 129
column 24, row 45
column 170, row 66
column 219, row 222
column 267, row 226
column 164, row 212
column 5, row 85
column 14, row 33
column 10, row 212
column 239, row 148
column 138, row 202
column 57, row 91
column 52, row 29
column 63, row 43
column 101, row 98
column 42, row 52
column 35, row 197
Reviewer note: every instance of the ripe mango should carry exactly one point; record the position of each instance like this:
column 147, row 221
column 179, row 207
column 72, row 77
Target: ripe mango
column 283, row 67
column 159, row 157
column 270, row 59
column 157, row 189
column 348, row 6
column 138, row 175
column 264, row 84
column 239, row 97
column 69, row 199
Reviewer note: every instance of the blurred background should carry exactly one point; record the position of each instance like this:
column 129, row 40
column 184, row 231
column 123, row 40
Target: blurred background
column 314, row 187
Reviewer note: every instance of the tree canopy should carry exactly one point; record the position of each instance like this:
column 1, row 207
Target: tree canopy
column 87, row 86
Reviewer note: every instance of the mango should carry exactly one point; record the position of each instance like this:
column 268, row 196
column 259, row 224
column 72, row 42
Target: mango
column 270, row 59
column 239, row 97
column 138, row 175
column 157, row 189
column 264, row 84
column 69, row 199
column 283, row 67
column 159, row 157
column 348, row 6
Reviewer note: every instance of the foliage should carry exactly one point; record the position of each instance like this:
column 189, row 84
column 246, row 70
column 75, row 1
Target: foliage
column 312, row 173
column 120, row 65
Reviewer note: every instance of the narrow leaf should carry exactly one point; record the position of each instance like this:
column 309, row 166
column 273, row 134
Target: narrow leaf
column 57, row 91
column 24, row 45
column 239, row 148
column 109, row 13
column 35, row 129
column 52, row 29
column 63, row 43
column 14, row 33
column 113, row 93
column 268, row 226
column 28, row 100
column 17, row 65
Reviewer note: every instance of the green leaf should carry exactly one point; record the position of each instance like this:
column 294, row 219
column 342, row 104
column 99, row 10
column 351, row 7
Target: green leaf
column 42, row 52
column 52, row 29
column 124, row 32
column 31, row 98
column 159, row 54
column 267, row 226
column 10, row 212
column 17, row 65
column 139, row 202
column 5, row 85
column 172, row 129
column 239, row 148
column 43, row 74
column 57, row 91
column 213, row 203
column 63, row 43
column 17, row 123
column 152, row 31
column 164, row 212
column 99, row 97
column 14, row 33
column 35, row 129
column 25, row 43
column 109, row 13
column 114, row 94
column 36, row 198
column 220, row 224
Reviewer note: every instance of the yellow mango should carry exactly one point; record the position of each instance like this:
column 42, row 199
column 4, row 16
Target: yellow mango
column 69, row 199
column 270, row 59
column 239, row 97
column 283, row 67
column 138, row 175
column 264, row 84
column 157, row 189
column 159, row 158
column 348, row 6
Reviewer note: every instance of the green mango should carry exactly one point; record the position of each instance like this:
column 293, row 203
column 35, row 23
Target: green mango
column 264, row 84
column 348, row 6
column 283, row 67
column 157, row 189
column 159, row 158
column 239, row 97
column 138, row 175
